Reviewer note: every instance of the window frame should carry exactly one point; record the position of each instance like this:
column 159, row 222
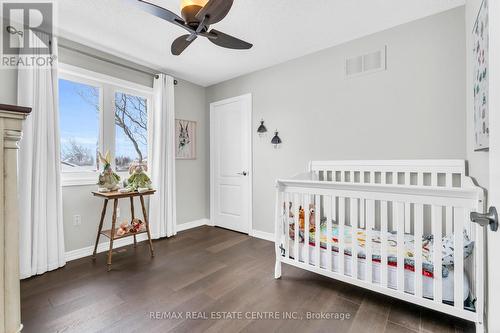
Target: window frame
column 108, row 86
column 84, row 177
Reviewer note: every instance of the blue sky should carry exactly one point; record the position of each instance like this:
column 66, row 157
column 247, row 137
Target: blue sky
column 80, row 121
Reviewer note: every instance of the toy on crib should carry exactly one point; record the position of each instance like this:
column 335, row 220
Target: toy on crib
column 108, row 179
column 312, row 219
column 138, row 180
column 301, row 218
column 290, row 212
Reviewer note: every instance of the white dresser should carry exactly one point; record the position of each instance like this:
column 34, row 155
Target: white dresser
column 11, row 119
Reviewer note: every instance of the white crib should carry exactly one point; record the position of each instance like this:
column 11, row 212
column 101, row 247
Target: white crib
column 418, row 197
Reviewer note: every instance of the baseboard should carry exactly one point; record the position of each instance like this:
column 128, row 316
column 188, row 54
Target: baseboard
column 192, row 224
column 104, row 246
column 263, row 235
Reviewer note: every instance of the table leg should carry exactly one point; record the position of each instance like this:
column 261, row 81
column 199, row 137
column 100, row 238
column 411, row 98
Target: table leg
column 147, row 226
column 103, row 214
column 133, row 217
column 113, row 225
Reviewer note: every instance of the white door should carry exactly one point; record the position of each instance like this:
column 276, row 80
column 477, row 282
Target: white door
column 231, row 163
column 493, row 288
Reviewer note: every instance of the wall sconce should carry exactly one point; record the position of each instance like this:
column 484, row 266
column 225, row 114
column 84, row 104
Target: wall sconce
column 262, row 130
column 276, row 141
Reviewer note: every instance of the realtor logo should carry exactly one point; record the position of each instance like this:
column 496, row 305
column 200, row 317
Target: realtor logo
column 27, row 27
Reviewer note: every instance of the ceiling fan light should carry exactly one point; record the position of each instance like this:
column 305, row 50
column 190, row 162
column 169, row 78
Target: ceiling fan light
column 189, row 9
column 186, row 3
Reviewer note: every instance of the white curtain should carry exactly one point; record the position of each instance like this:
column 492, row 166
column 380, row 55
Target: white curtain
column 40, row 199
column 162, row 214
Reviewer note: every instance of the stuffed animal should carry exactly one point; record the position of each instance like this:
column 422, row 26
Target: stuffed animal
column 137, row 226
column 291, row 223
column 123, row 229
column 138, row 180
column 312, row 218
column 108, row 179
column 301, row 218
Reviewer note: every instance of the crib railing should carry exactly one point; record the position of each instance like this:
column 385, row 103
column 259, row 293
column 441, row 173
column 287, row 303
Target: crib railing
column 443, row 173
column 371, row 207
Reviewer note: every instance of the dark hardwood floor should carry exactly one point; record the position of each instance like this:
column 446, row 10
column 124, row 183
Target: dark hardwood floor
column 208, row 271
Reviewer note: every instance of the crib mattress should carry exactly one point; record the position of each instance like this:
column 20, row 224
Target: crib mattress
column 409, row 273
column 409, row 246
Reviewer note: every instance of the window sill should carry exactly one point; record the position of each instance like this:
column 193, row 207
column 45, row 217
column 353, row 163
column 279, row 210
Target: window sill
column 68, row 179
column 77, row 182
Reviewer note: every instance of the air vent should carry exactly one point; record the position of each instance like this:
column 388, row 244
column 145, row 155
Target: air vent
column 354, row 66
column 366, row 63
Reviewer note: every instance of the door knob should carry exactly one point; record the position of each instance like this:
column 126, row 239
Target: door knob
column 244, row 173
column 490, row 218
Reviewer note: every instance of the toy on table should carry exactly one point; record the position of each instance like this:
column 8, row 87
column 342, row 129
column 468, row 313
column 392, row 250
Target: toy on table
column 123, row 229
column 108, row 179
column 137, row 226
column 138, row 180
column 133, row 228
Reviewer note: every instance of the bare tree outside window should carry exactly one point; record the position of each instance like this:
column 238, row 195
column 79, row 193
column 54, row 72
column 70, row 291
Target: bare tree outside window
column 74, row 153
column 131, row 119
column 131, row 122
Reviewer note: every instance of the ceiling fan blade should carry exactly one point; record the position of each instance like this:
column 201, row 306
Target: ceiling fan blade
column 225, row 40
column 160, row 12
column 215, row 11
column 181, row 43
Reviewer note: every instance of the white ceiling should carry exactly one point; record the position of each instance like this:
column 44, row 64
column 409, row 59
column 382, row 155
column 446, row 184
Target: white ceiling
column 279, row 29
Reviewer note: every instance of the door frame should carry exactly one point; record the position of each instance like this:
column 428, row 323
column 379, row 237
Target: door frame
column 493, row 238
column 247, row 101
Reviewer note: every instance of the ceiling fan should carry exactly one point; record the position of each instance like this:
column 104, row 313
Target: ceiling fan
column 197, row 16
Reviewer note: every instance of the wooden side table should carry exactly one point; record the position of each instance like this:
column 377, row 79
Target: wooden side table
column 111, row 234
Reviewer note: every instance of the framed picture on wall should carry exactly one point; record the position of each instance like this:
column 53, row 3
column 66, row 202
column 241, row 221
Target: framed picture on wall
column 185, row 139
column 480, row 79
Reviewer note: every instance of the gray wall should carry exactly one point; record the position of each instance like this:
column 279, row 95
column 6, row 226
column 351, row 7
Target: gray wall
column 414, row 110
column 191, row 178
column 75, row 54
column 8, row 86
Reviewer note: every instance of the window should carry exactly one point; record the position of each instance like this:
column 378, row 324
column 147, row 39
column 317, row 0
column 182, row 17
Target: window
column 99, row 113
column 79, row 106
column 131, row 127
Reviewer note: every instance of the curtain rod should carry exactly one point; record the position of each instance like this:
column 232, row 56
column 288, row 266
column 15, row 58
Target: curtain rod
column 110, row 61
